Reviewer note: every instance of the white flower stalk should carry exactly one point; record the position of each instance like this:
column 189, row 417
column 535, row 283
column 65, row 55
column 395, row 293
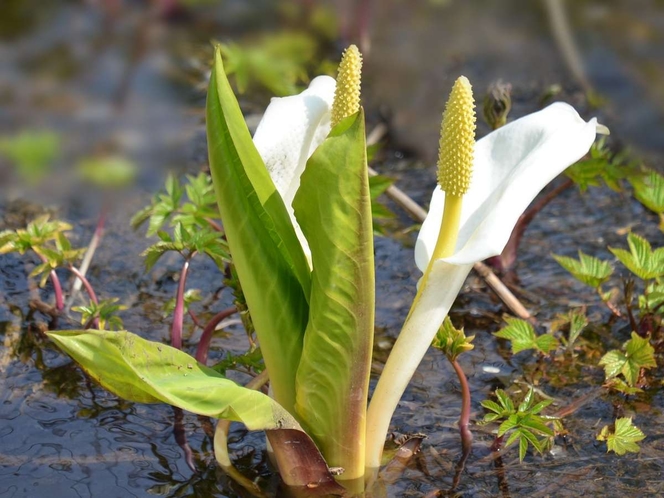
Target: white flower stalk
column 289, row 133
column 511, row 166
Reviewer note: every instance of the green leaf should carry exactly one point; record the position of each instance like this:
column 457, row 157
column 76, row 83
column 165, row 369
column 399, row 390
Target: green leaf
column 642, row 261
column 546, row 343
column 650, row 191
column 613, row 363
column 493, row 406
column 623, row 438
column 333, row 208
column 505, row 400
column 577, row 322
column 522, row 336
column 268, row 257
column 638, row 354
column 587, row 269
column 653, row 297
column 150, row 372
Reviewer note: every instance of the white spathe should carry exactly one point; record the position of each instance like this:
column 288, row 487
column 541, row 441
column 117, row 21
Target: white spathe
column 511, row 166
column 289, row 133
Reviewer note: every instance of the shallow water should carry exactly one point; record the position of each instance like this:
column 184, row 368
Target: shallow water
column 62, row 436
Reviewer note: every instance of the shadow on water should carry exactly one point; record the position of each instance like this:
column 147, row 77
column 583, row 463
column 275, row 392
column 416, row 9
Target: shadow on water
column 78, row 70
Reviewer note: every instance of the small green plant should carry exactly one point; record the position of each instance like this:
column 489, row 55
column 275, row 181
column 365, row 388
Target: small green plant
column 523, row 423
column 453, row 342
column 637, row 354
column 623, row 437
column 48, row 240
column 104, row 311
column 649, row 191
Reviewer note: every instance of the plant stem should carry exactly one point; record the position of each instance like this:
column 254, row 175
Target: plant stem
column 464, row 418
column 57, row 290
column 88, row 289
column 208, row 332
column 178, row 312
column 57, row 287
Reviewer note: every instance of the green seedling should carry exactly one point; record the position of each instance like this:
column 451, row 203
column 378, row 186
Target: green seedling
column 623, row 437
column 523, row 423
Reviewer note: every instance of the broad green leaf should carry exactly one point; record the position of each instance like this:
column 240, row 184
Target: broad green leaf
column 150, row 372
column 638, row 354
column 522, row 336
column 333, row 208
column 267, row 255
column 587, row 269
column 642, row 261
column 650, row 191
column 613, row 363
column 623, row 438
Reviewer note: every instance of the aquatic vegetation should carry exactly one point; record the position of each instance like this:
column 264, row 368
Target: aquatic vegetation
column 295, row 203
column 523, row 422
column 624, row 437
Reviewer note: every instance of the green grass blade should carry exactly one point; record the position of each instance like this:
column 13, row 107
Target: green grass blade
column 333, row 207
column 268, row 257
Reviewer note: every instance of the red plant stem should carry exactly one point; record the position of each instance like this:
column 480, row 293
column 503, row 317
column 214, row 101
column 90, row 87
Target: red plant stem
column 88, row 289
column 206, row 338
column 194, row 318
column 57, row 287
column 178, row 312
column 86, row 284
column 464, row 418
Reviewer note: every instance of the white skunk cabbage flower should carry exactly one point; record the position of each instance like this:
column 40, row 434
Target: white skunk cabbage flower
column 289, row 133
column 511, row 166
